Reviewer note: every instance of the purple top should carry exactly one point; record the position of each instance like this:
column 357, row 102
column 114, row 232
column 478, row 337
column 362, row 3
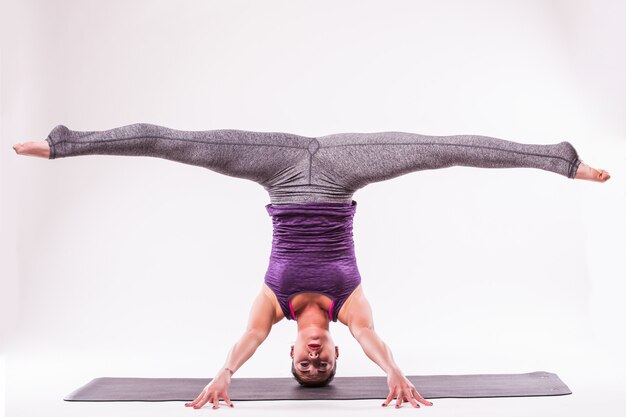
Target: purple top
column 312, row 251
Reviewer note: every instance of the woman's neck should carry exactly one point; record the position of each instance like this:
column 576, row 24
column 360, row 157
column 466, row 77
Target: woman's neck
column 312, row 314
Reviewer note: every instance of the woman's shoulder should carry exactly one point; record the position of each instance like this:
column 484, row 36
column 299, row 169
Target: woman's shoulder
column 278, row 311
column 351, row 305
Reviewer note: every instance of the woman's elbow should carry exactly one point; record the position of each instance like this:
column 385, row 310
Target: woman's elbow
column 359, row 331
column 257, row 335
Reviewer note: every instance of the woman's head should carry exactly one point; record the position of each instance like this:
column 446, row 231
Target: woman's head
column 314, row 357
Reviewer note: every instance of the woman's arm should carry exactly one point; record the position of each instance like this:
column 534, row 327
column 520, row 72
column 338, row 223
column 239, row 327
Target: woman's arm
column 260, row 321
column 361, row 324
column 262, row 318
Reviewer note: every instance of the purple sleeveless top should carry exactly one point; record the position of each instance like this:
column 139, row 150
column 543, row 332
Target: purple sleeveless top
column 312, row 251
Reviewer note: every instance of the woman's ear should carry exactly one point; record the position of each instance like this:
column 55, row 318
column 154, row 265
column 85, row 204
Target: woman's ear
column 291, row 353
column 336, row 351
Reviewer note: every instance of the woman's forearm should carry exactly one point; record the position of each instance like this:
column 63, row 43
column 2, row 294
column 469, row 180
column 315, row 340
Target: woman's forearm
column 242, row 350
column 376, row 349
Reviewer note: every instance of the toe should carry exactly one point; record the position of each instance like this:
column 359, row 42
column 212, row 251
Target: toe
column 603, row 176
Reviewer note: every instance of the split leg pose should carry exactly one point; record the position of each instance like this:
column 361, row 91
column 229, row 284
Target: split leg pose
column 312, row 277
column 144, row 139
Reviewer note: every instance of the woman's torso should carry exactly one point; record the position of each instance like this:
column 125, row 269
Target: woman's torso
column 312, row 257
column 303, row 299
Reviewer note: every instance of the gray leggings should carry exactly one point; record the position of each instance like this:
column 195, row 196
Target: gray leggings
column 298, row 169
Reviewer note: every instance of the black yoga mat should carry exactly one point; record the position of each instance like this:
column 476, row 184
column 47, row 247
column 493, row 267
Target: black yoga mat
column 341, row 388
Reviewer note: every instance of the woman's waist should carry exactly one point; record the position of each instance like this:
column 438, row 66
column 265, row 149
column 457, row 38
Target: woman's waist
column 309, row 273
column 312, row 241
column 313, row 257
column 312, row 250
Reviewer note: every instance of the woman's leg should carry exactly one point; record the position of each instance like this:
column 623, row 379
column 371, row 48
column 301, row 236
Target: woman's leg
column 257, row 156
column 363, row 158
column 350, row 160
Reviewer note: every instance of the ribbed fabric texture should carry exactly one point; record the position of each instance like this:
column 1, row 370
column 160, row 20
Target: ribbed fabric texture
column 312, row 251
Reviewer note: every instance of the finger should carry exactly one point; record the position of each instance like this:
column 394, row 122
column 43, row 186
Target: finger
column 388, row 400
column 408, row 397
column 202, row 401
column 194, row 402
column 198, row 399
column 411, row 399
column 419, row 398
column 228, row 400
column 399, row 399
column 216, row 402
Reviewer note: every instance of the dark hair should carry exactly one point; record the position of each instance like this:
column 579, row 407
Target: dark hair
column 314, row 383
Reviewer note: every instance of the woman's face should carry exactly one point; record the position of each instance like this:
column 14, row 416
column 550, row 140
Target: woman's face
column 314, row 352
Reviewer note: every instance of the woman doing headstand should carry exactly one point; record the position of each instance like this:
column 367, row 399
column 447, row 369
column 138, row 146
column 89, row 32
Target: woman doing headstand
column 312, row 276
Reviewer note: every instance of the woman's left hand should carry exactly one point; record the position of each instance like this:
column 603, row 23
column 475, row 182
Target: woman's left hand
column 403, row 389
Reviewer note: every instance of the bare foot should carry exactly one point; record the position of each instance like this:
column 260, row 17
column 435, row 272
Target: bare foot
column 38, row 148
column 585, row 172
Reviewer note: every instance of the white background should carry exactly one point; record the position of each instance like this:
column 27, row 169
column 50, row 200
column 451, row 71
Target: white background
column 144, row 267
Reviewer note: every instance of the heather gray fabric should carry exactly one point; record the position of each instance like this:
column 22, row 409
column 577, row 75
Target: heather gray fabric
column 298, row 169
column 341, row 388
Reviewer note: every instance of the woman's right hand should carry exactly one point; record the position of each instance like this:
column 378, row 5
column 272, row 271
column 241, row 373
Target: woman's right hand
column 216, row 389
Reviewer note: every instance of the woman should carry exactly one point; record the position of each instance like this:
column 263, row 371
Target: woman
column 312, row 277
